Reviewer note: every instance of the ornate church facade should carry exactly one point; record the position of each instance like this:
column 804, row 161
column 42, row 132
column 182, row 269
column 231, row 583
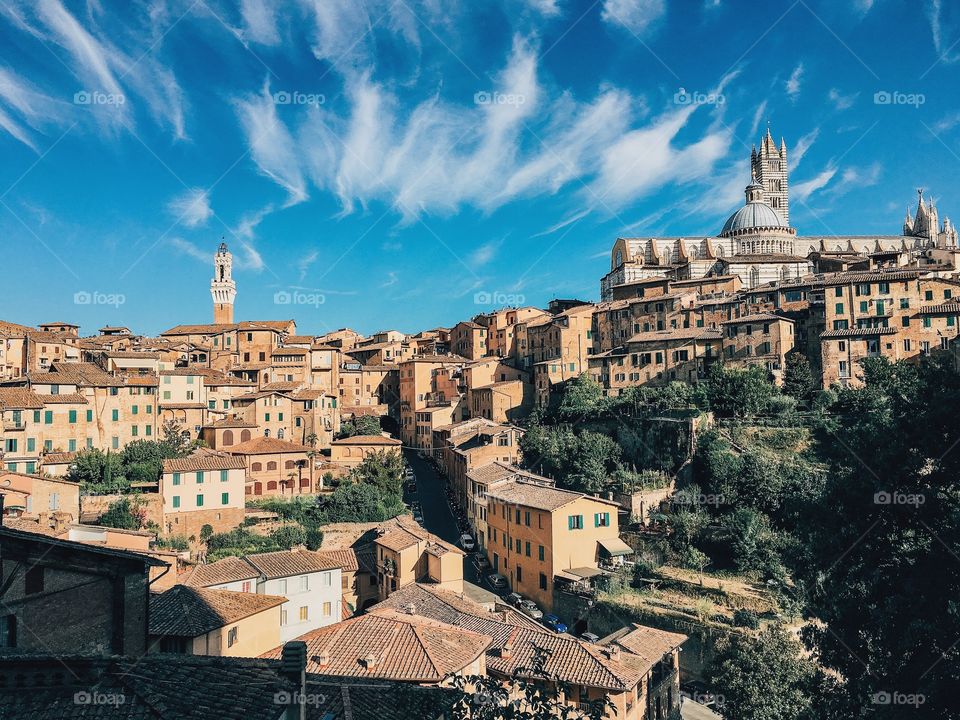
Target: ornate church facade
column 758, row 244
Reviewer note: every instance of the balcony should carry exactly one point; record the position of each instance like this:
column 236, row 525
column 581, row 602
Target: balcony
column 13, row 425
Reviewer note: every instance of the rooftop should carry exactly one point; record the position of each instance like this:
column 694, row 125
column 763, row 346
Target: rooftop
column 189, row 612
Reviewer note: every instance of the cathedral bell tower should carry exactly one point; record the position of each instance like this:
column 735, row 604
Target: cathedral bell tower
column 223, row 289
column 769, row 166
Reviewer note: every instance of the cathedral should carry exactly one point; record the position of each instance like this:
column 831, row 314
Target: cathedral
column 758, row 244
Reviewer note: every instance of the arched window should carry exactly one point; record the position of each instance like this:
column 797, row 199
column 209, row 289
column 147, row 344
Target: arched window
column 271, row 466
column 266, row 433
column 244, row 435
column 289, row 465
column 280, row 434
column 619, row 260
column 272, row 485
column 228, row 437
column 258, row 488
column 256, row 467
column 754, row 276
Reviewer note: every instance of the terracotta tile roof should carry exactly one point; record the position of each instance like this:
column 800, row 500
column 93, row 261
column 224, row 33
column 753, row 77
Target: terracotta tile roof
column 694, row 333
column 307, row 394
column 391, row 646
column 266, row 445
column 221, row 572
column 182, row 405
column 367, row 440
column 543, row 497
column 58, row 458
column 757, row 317
column 493, row 472
column 843, row 278
column 280, row 387
column 175, row 687
column 650, row 643
column 948, row 308
column 571, row 660
column 348, row 559
column 203, row 459
column 857, row 332
column 403, row 532
column 762, row 258
column 15, row 398
column 63, row 399
column 291, row 562
column 231, row 422
column 190, row 612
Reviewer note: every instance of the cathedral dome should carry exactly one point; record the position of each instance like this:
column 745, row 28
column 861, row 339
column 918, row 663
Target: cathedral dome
column 755, row 214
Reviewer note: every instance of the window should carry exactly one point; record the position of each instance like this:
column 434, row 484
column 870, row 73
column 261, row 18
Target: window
column 838, row 291
column 947, row 294
column 905, row 321
column 526, row 520
column 304, row 582
column 283, row 617
column 176, row 478
column 839, row 308
column 928, row 294
column 926, row 322
column 601, row 519
column 519, row 574
column 864, row 306
column 304, row 613
column 33, row 581
column 526, row 549
column 233, row 635
column 844, row 369
column 224, row 475
column 327, row 609
column 904, row 303
column 906, row 344
column 72, row 416
column 327, row 579
column 224, row 498
column 883, row 288
column 115, row 415
column 48, row 417
column 540, row 552
column 200, row 477
column 543, row 581
column 575, row 522
column 199, row 500
column 176, row 501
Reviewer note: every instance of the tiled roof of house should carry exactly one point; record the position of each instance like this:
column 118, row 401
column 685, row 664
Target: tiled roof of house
column 403, row 531
column 221, row 572
column 285, row 563
column 694, row 333
column 190, row 612
column 213, row 329
column 180, row 687
column 857, row 332
column 948, row 308
column 15, row 398
column 280, row 387
column 650, row 643
column 391, row 646
column 347, row 558
column 367, row 440
column 265, row 446
column 63, row 399
column 756, row 317
column 536, row 495
column 230, row 422
column 58, row 458
column 571, row 660
column 203, row 459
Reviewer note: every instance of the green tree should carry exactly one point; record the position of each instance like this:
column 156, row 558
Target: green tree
column 582, row 397
column 98, row 471
column 798, row 380
column 360, row 425
column 738, row 393
column 125, row 514
column 763, row 677
column 206, row 532
column 883, row 579
column 175, row 443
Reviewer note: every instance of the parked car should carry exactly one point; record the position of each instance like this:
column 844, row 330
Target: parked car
column 497, row 581
column 408, row 471
column 482, row 562
column 530, row 609
column 412, row 486
column 514, row 599
column 466, row 542
column 590, row 637
column 554, row 623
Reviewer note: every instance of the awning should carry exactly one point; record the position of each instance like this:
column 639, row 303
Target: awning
column 615, row 547
column 586, row 572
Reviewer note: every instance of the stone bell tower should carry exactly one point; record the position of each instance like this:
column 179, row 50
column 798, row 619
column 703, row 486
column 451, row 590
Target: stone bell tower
column 223, row 289
column 769, row 165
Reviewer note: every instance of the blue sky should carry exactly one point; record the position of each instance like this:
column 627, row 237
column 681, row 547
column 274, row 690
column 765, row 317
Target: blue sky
column 397, row 163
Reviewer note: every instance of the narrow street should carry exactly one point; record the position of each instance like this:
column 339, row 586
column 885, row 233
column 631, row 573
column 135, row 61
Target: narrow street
column 437, row 517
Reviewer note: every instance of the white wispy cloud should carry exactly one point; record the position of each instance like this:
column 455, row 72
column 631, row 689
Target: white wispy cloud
column 546, row 7
column 803, row 190
column 304, row 263
column 191, row 250
column 944, row 47
column 392, row 279
column 260, row 21
column 947, row 123
column 638, row 16
column 802, row 146
column 23, row 108
column 793, row 82
column 485, row 253
column 841, row 101
column 192, row 207
column 757, row 118
column 104, row 67
column 570, row 220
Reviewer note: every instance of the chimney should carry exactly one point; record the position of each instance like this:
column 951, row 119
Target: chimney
column 369, row 661
column 323, row 659
column 506, row 651
column 613, row 652
column 293, row 668
column 410, row 609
